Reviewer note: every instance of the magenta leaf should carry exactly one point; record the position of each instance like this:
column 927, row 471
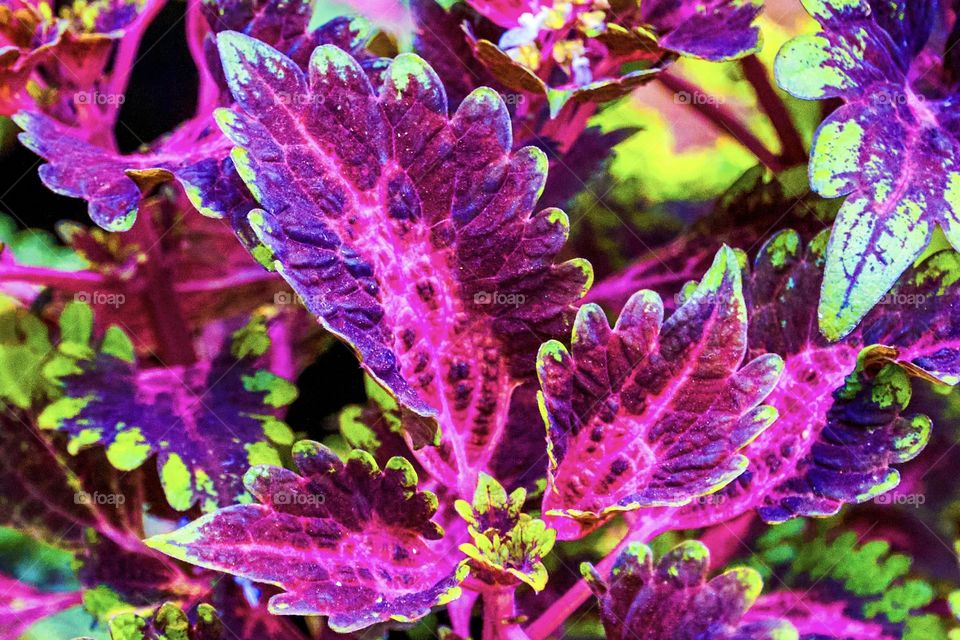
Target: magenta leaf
column 344, row 539
column 21, row 605
column 842, row 406
column 652, row 413
column 408, row 233
column 207, row 423
column 893, row 149
column 673, row 600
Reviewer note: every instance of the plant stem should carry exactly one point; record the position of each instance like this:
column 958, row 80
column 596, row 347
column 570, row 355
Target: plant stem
column 710, row 108
column 197, row 28
column 565, row 606
column 44, row 276
column 162, row 304
column 792, row 151
column 499, row 615
column 127, row 56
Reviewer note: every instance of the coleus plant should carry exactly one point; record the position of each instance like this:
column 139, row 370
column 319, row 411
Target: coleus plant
column 329, row 189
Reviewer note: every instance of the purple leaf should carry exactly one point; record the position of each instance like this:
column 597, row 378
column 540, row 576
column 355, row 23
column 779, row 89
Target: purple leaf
column 842, row 406
column 645, row 415
column 712, row 30
column 673, row 600
column 343, row 539
column 21, row 605
column 207, row 423
column 113, row 183
column 408, row 233
column 893, row 148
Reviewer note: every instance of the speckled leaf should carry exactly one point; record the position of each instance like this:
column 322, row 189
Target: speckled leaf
column 207, row 423
column 843, row 423
column 645, row 415
column 343, row 539
column 673, row 600
column 508, row 545
column 21, row 605
column 892, row 150
column 408, row 233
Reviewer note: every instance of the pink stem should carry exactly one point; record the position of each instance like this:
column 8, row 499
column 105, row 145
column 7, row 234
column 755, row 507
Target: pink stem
column 127, row 56
column 499, row 615
column 239, row 279
column 721, row 117
column 461, row 611
column 197, row 28
column 67, row 280
column 281, row 353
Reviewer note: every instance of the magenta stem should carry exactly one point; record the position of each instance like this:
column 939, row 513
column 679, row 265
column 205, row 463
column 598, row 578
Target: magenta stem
column 208, row 96
column 711, row 109
column 500, row 615
column 43, row 276
column 792, row 151
column 127, row 56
